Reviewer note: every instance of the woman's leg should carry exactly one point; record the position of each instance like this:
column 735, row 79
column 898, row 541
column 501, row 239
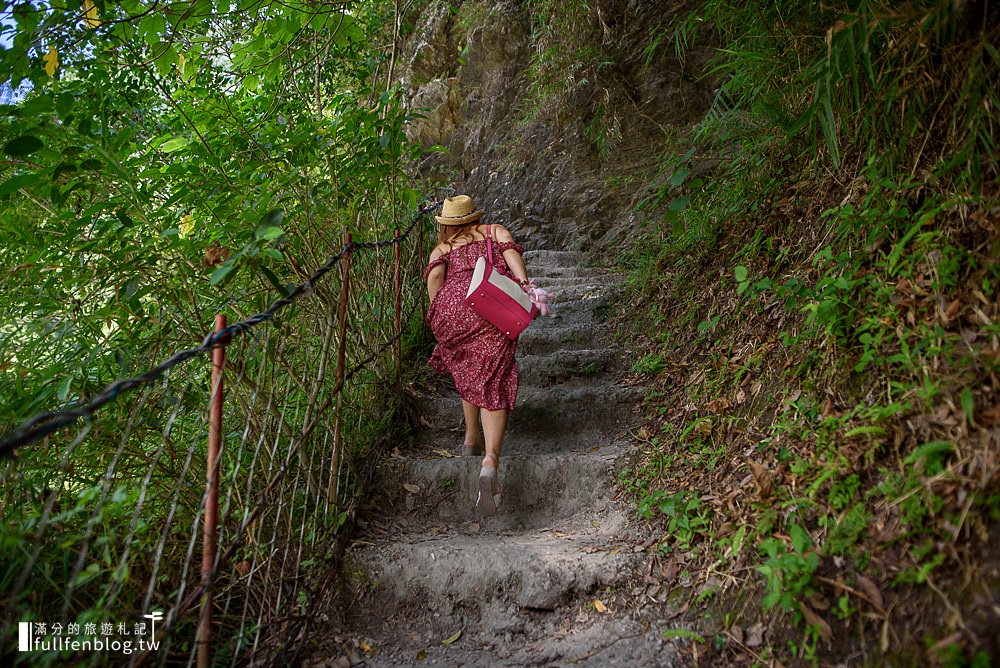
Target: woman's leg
column 494, row 425
column 473, row 434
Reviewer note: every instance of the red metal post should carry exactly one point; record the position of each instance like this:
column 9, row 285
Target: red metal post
column 397, row 295
column 345, row 268
column 210, row 535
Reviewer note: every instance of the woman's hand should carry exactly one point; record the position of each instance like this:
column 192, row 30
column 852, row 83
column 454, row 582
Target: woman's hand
column 514, row 260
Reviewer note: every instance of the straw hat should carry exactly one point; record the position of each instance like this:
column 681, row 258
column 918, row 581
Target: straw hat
column 459, row 210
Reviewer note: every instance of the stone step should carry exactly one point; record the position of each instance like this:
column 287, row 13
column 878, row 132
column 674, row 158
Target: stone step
column 594, row 279
column 577, row 637
column 561, row 413
column 588, row 438
column 474, row 573
column 554, row 258
column 559, row 366
column 552, row 333
column 544, row 272
column 538, row 491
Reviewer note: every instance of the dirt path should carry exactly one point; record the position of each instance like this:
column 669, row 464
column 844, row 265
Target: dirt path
column 521, row 587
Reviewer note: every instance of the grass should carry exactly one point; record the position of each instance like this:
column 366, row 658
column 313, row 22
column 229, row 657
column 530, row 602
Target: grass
column 824, row 314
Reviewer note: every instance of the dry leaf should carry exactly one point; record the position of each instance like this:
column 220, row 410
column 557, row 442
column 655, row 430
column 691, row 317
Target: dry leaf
column 755, row 635
column 452, row 638
column 704, row 428
column 214, row 256
column 871, row 590
column 762, row 477
column 756, row 388
column 424, row 422
column 474, row 527
column 411, row 488
column 643, row 434
column 368, row 649
column 741, row 397
column 718, row 405
column 420, row 655
column 600, row 607
column 813, row 619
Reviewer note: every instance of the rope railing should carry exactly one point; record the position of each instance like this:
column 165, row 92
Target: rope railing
column 45, row 423
column 161, row 531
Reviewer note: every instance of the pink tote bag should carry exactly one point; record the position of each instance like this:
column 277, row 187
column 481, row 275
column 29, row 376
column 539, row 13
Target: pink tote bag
column 498, row 298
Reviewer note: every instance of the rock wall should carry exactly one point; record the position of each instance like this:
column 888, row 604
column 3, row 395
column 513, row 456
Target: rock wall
column 528, row 158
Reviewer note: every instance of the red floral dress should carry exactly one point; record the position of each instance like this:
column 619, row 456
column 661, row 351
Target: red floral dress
column 477, row 354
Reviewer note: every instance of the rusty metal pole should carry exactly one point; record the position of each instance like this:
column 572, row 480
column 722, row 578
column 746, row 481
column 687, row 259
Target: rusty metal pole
column 345, row 269
column 210, row 536
column 397, row 296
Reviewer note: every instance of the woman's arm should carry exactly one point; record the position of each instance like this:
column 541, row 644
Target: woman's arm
column 435, row 279
column 514, row 260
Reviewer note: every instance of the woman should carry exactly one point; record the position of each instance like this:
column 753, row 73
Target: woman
column 477, row 354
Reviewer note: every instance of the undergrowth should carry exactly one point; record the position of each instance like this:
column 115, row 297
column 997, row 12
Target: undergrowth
column 815, row 295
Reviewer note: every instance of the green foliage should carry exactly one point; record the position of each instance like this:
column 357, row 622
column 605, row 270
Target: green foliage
column 687, row 519
column 789, row 573
column 182, row 159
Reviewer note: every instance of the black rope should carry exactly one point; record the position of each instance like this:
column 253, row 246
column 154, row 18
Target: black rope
column 42, row 424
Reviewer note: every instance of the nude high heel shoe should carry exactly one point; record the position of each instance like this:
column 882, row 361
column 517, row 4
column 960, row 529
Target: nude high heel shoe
column 489, row 487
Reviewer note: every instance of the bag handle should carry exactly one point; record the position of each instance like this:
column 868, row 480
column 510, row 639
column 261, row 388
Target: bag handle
column 489, row 244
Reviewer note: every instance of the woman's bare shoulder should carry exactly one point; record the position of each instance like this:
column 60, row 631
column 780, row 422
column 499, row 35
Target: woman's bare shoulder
column 438, row 251
column 501, row 233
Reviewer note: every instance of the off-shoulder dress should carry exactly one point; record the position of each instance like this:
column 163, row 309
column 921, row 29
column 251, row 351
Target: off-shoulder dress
column 478, row 355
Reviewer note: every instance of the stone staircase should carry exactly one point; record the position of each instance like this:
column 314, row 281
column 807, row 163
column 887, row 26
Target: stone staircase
column 520, row 586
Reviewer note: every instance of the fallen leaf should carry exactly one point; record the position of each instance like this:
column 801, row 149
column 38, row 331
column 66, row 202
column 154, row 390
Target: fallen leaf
column 718, row 405
column 452, row 638
column 424, row 422
column 368, row 649
column 741, row 397
column 754, row 635
column 474, row 527
column 420, row 655
column 813, row 619
column 762, row 477
column 443, row 453
column 599, row 606
column 411, row 488
column 643, row 434
column 991, row 416
column 871, row 590
column 704, row 428
column 756, row 388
